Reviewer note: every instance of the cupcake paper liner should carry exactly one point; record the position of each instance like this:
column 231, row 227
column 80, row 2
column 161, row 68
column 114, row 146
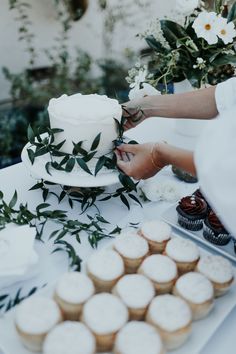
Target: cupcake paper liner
column 193, row 225
column 217, row 239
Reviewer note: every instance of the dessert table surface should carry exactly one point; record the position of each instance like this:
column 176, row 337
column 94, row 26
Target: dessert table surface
column 50, row 266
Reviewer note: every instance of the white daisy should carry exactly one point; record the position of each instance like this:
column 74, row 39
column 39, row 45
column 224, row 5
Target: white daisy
column 205, row 26
column 226, row 31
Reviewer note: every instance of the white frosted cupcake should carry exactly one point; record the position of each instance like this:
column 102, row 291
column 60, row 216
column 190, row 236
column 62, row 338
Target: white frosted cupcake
column 71, row 292
column 35, row 317
column 198, row 291
column 70, row 338
column 161, row 270
column 105, row 314
column 138, row 338
column 132, row 248
column 105, row 268
column 184, row 252
column 157, row 233
column 136, row 291
column 218, row 270
column 172, row 317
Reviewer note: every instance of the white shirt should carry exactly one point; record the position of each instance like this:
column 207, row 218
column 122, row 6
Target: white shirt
column 215, row 157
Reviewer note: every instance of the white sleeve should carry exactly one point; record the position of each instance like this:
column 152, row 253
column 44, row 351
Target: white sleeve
column 225, row 95
column 215, row 160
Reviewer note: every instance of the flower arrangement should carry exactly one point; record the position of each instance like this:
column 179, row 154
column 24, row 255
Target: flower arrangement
column 199, row 46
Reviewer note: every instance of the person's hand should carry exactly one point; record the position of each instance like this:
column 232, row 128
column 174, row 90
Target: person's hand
column 133, row 113
column 140, row 161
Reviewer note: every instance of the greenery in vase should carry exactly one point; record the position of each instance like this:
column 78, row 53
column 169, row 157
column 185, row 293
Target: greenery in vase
column 200, row 48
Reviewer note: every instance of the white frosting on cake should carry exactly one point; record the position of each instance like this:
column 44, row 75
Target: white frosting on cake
column 75, row 287
column 70, row 338
column 131, row 245
column 156, row 230
column 83, row 117
column 159, row 268
column 138, row 338
column 105, row 314
column 135, row 290
column 169, row 312
column 216, row 268
column 182, row 250
column 106, row 265
column 195, row 287
column 37, row 315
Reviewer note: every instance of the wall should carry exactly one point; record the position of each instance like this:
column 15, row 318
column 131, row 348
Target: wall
column 87, row 33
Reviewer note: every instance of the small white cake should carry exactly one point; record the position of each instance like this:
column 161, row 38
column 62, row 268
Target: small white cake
column 35, row 317
column 161, row 270
column 105, row 268
column 105, row 314
column 70, row 338
column 184, row 252
column 157, row 233
column 198, row 291
column 138, row 338
column 132, row 248
column 218, row 270
column 82, row 118
column 136, row 291
column 172, row 317
column 71, row 292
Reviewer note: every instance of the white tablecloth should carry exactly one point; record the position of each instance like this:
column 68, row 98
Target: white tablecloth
column 51, row 266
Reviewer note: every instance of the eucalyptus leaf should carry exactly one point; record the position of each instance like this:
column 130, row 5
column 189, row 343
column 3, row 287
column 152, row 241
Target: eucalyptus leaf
column 83, row 165
column 70, row 164
column 30, row 153
column 30, row 134
column 100, row 164
column 13, row 200
column 95, row 142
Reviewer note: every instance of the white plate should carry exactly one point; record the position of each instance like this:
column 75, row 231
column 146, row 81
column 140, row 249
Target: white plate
column 76, row 178
column 202, row 330
column 171, row 217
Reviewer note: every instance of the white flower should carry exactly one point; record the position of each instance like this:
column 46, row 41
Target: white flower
column 201, row 63
column 152, row 190
column 147, row 90
column 156, row 31
column 161, row 189
column 186, row 6
column 205, row 26
column 225, row 30
column 139, row 78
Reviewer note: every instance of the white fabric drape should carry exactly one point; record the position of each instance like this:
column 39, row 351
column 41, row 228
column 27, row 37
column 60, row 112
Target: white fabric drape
column 215, row 157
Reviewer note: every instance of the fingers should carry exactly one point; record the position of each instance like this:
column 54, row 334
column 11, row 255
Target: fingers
column 130, row 148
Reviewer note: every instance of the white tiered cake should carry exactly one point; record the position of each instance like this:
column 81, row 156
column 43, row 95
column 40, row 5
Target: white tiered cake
column 82, row 118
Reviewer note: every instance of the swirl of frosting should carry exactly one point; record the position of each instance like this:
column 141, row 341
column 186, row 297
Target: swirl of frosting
column 193, row 205
column 214, row 221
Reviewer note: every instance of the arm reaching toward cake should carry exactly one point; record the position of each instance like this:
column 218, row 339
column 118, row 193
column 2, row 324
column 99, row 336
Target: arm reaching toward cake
column 200, row 104
column 148, row 159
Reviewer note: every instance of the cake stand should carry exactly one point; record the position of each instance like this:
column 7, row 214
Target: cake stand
column 76, row 178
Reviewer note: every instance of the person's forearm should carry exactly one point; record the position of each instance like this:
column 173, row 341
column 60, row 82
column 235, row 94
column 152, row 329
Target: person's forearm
column 166, row 154
column 199, row 104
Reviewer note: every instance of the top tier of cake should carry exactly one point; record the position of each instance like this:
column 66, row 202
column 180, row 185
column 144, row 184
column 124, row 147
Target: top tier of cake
column 82, row 118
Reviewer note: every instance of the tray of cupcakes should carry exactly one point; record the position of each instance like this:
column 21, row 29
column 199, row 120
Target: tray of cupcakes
column 194, row 217
column 148, row 291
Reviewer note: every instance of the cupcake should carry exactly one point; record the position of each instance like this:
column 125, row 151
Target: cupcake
column 198, row 291
column 138, row 338
column 70, row 338
column 191, row 212
column 136, row 292
column 105, row 314
column 105, row 268
column 172, row 317
column 35, row 318
column 219, row 271
column 132, row 248
column 157, row 233
column 184, row 252
column 161, row 270
column 71, row 292
column 214, row 231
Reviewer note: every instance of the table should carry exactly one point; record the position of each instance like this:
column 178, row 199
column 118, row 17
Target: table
column 51, row 266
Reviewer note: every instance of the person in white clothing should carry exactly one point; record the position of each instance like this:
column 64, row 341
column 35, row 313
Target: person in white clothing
column 214, row 159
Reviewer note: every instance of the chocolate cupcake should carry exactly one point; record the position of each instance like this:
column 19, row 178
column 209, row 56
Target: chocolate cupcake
column 191, row 212
column 199, row 194
column 214, row 231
